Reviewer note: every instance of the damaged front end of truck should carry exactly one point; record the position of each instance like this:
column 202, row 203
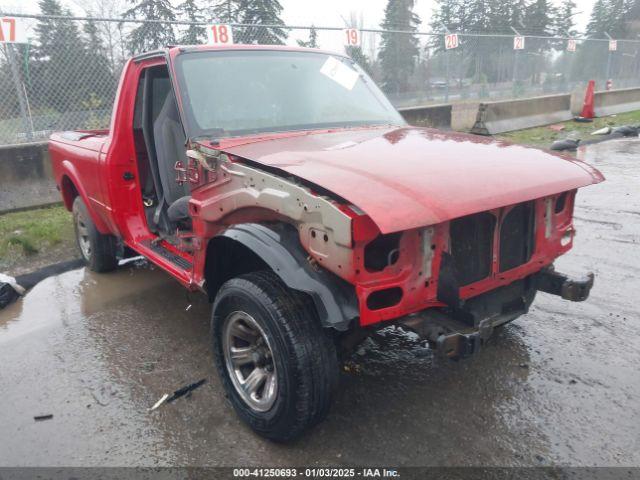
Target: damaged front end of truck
column 452, row 279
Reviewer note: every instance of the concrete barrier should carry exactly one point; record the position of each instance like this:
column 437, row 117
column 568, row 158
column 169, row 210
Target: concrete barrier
column 438, row 116
column 509, row 115
column 616, row 101
column 26, row 179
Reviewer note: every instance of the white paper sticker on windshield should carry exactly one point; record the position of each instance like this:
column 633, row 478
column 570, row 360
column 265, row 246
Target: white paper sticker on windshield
column 339, row 73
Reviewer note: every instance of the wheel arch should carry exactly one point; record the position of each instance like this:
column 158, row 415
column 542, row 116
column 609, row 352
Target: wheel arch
column 71, row 187
column 250, row 247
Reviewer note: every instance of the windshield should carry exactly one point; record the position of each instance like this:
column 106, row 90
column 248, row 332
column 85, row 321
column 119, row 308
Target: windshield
column 237, row 92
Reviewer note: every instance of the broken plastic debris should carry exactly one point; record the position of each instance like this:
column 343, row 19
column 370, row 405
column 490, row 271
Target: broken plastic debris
column 566, row 144
column 627, row 130
column 558, row 127
column 188, row 308
column 602, row 131
column 184, row 390
column 159, row 402
column 40, row 418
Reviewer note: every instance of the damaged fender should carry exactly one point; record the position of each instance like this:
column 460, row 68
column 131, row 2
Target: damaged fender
column 279, row 247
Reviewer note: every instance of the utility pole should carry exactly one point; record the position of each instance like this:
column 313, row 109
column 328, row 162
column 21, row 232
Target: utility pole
column 609, row 55
column 446, row 66
column 515, row 59
column 20, row 93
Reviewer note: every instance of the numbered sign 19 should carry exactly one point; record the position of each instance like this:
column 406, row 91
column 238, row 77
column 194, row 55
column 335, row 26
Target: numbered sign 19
column 451, row 41
column 571, row 45
column 518, row 43
column 220, row 34
column 13, row 30
column 613, row 45
column 351, row 37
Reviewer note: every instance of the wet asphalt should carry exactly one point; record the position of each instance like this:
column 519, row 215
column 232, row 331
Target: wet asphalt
column 559, row 386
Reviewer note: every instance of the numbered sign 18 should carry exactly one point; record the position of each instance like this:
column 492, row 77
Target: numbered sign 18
column 220, row 34
column 518, row 43
column 13, row 30
column 351, row 37
column 613, row 45
column 571, row 45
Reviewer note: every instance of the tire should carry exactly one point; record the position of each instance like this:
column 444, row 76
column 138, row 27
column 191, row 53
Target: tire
column 97, row 250
column 302, row 357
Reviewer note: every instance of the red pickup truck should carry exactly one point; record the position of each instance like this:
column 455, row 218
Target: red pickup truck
column 283, row 184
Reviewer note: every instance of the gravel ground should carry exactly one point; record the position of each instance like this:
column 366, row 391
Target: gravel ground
column 559, row 386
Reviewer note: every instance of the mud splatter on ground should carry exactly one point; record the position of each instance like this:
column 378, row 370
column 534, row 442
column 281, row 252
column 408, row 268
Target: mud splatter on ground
column 559, row 386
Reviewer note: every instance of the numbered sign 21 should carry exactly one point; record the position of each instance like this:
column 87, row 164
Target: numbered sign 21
column 518, row 43
column 351, row 37
column 13, row 30
column 220, row 34
column 451, row 41
column 571, row 45
column 613, row 45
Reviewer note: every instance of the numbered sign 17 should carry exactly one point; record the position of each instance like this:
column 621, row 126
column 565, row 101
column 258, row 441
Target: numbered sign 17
column 351, row 37
column 451, row 41
column 571, row 45
column 13, row 30
column 613, row 45
column 518, row 43
column 220, row 34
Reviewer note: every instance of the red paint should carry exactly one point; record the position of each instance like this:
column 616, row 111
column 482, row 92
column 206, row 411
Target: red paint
column 402, row 178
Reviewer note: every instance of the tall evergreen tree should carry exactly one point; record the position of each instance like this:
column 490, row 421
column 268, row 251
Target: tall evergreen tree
column 191, row 12
column 313, row 39
column 563, row 22
column 398, row 51
column 150, row 35
column 608, row 16
column 262, row 12
column 227, row 11
column 538, row 18
column 59, row 59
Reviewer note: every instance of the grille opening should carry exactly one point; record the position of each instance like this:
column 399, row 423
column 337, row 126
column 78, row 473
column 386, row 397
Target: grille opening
column 561, row 201
column 384, row 298
column 517, row 236
column 382, row 252
column 472, row 246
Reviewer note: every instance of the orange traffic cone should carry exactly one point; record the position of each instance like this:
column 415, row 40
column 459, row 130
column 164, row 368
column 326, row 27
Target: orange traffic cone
column 587, row 108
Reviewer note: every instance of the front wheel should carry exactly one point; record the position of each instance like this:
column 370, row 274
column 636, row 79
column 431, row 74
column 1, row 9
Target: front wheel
column 276, row 363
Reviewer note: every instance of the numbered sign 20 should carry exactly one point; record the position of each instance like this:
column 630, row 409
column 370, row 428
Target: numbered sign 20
column 220, row 34
column 613, row 45
column 13, row 30
column 571, row 45
column 518, row 43
column 351, row 37
column 451, row 41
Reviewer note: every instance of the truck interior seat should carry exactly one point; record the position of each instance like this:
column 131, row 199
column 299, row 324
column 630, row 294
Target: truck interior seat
column 169, row 141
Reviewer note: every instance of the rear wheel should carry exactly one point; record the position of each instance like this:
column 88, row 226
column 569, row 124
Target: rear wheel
column 277, row 365
column 99, row 251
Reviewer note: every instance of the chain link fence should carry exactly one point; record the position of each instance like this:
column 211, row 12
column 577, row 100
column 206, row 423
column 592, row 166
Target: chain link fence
column 69, row 80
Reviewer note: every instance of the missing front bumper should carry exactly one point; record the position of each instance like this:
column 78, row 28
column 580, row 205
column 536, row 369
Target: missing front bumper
column 556, row 283
column 454, row 339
